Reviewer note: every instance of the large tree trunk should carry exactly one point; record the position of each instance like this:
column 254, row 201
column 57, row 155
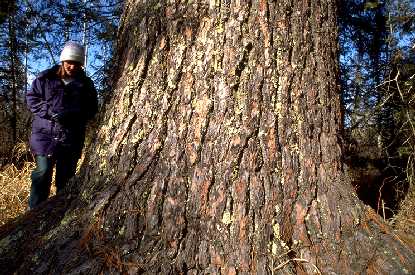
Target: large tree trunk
column 218, row 153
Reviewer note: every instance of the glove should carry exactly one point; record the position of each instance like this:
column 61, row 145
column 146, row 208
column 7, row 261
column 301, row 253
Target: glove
column 68, row 119
column 59, row 118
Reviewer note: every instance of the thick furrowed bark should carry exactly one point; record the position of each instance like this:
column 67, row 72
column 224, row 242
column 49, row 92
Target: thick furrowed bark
column 219, row 152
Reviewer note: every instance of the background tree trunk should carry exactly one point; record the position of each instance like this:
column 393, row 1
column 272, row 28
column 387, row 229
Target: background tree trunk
column 13, row 78
column 218, row 153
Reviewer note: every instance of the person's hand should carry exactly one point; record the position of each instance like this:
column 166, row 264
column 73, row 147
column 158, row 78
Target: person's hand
column 66, row 118
column 60, row 118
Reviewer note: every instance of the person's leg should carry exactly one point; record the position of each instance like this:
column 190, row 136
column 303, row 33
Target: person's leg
column 41, row 181
column 65, row 169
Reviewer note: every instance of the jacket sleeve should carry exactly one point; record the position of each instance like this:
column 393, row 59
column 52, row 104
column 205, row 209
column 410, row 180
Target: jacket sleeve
column 35, row 101
column 91, row 101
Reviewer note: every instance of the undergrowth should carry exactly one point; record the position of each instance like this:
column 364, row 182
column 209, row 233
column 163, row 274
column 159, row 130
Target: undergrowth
column 15, row 184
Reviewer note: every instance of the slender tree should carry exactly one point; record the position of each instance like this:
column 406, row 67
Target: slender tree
column 13, row 77
column 11, row 74
column 219, row 152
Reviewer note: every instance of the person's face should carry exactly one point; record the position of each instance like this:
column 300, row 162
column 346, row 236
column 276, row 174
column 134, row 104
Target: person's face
column 71, row 67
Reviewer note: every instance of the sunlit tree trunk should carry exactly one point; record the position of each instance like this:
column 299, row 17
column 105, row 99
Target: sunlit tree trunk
column 219, row 153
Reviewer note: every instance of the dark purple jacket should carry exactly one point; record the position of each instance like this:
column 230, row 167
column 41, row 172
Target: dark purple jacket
column 76, row 101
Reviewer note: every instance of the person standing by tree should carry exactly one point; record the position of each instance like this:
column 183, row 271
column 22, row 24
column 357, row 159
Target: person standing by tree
column 62, row 99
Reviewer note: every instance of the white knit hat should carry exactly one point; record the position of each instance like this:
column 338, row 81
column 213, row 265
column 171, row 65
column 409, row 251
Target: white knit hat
column 74, row 52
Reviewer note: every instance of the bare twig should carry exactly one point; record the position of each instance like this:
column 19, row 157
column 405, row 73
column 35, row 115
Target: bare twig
column 42, row 32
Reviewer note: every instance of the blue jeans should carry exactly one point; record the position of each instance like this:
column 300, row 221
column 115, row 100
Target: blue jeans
column 42, row 177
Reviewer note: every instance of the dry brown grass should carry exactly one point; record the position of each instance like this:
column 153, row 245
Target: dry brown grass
column 15, row 185
column 405, row 220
